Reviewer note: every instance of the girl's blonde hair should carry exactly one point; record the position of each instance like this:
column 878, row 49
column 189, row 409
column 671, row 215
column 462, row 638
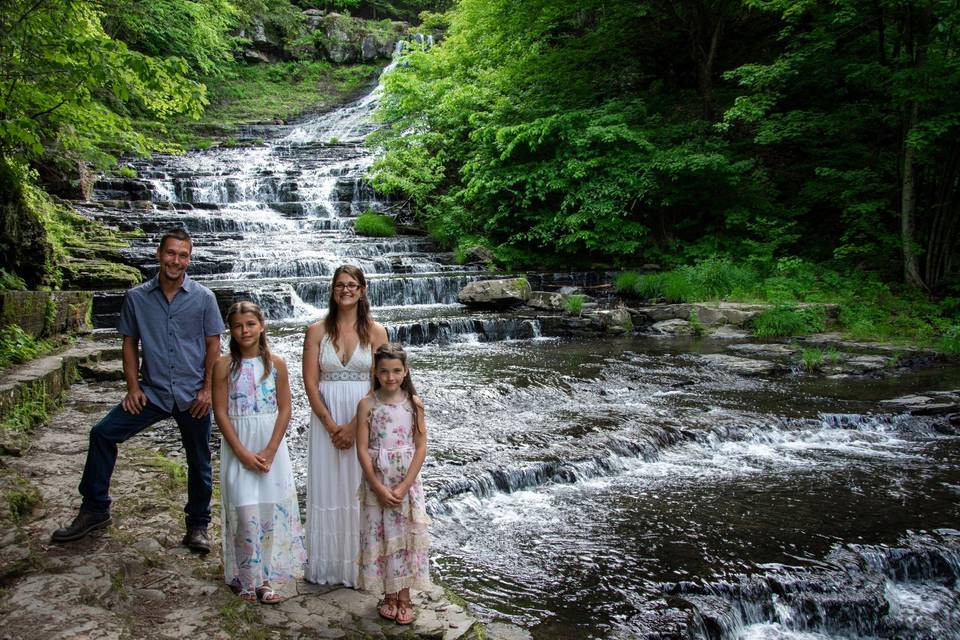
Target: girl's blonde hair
column 236, row 357
column 363, row 307
column 393, row 351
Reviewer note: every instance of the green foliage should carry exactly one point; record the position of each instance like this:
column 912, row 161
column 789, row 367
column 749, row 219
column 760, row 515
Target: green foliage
column 371, row 223
column 11, row 281
column 949, row 341
column 573, row 303
column 17, row 346
column 196, row 32
column 500, row 131
column 784, row 320
column 68, row 88
column 833, row 356
column 126, row 171
column 30, row 411
column 695, row 325
column 430, row 21
column 812, row 359
column 21, row 497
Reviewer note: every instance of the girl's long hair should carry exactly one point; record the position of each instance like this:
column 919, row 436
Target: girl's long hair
column 393, row 351
column 238, row 308
column 363, row 307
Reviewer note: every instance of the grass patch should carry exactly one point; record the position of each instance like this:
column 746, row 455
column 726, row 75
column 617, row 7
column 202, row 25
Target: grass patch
column 283, row 90
column 174, row 472
column 574, row 303
column 812, row 359
column 19, row 496
column 370, row 223
column 241, row 620
column 870, row 309
column 126, row 171
column 785, row 320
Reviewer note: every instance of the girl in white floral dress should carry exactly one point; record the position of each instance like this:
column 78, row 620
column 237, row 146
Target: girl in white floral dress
column 263, row 552
column 391, row 447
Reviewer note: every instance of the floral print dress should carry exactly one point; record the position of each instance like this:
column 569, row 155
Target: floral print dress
column 262, row 533
column 393, row 541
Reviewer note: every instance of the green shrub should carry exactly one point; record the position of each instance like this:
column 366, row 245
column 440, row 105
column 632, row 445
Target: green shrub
column 574, row 303
column 370, row 223
column 719, row 278
column 833, row 356
column 812, row 359
column 627, row 283
column 784, row 320
column 17, row 346
column 11, row 281
column 695, row 325
column 950, row 339
column 126, row 171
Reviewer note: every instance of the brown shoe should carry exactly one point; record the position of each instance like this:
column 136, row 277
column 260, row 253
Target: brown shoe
column 197, row 539
column 83, row 525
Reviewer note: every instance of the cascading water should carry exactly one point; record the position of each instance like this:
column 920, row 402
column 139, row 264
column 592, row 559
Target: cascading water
column 583, row 488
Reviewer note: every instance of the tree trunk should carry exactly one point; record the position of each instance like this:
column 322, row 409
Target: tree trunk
column 944, row 228
column 908, row 205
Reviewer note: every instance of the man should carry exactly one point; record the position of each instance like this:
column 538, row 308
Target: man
column 178, row 325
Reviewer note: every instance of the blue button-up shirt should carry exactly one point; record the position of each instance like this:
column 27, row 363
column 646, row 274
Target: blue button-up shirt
column 172, row 338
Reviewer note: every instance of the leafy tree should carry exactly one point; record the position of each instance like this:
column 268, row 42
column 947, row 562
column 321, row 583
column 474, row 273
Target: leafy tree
column 860, row 109
column 66, row 86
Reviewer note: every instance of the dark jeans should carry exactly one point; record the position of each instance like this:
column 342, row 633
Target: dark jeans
column 119, row 426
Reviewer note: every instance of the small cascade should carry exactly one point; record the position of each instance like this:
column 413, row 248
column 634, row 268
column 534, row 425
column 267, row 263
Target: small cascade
column 463, row 330
column 612, row 456
column 859, row 591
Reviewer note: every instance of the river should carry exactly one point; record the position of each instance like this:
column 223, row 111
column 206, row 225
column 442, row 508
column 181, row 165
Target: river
column 586, row 488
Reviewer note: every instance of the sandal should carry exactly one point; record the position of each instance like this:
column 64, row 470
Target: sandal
column 387, row 608
column 404, row 612
column 267, row 595
column 247, row 595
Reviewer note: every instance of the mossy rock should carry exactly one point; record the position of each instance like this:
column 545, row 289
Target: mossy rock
column 98, row 274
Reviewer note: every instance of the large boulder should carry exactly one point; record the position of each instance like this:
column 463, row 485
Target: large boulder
column 546, row 300
column 616, row 321
column 495, row 293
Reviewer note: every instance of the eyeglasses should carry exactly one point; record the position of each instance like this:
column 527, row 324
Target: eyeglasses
column 348, row 286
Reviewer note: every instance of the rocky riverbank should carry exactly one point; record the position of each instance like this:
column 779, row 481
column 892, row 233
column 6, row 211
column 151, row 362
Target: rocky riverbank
column 135, row 580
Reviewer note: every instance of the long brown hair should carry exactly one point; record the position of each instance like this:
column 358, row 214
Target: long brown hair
column 393, row 351
column 237, row 308
column 363, row 306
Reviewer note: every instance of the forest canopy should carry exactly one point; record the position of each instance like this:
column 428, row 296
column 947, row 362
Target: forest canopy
column 617, row 132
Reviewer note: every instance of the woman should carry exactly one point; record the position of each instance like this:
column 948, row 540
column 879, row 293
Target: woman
column 337, row 370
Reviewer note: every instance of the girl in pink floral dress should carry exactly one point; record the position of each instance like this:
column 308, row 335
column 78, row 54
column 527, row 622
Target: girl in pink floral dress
column 391, row 447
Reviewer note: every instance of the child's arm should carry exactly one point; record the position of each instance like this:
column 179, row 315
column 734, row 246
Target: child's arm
column 283, row 413
column 383, row 493
column 419, row 455
column 221, row 386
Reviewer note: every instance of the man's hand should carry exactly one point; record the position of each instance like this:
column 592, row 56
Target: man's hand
column 201, row 406
column 134, row 402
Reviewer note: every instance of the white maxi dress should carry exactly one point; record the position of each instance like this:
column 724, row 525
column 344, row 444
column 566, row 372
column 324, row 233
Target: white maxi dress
column 334, row 475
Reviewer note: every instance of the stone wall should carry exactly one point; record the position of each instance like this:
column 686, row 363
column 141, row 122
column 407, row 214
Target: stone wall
column 46, row 313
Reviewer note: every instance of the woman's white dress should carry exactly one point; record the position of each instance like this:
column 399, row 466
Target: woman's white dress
column 262, row 534
column 333, row 509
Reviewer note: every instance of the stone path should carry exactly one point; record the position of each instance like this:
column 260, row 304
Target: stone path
column 135, row 580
